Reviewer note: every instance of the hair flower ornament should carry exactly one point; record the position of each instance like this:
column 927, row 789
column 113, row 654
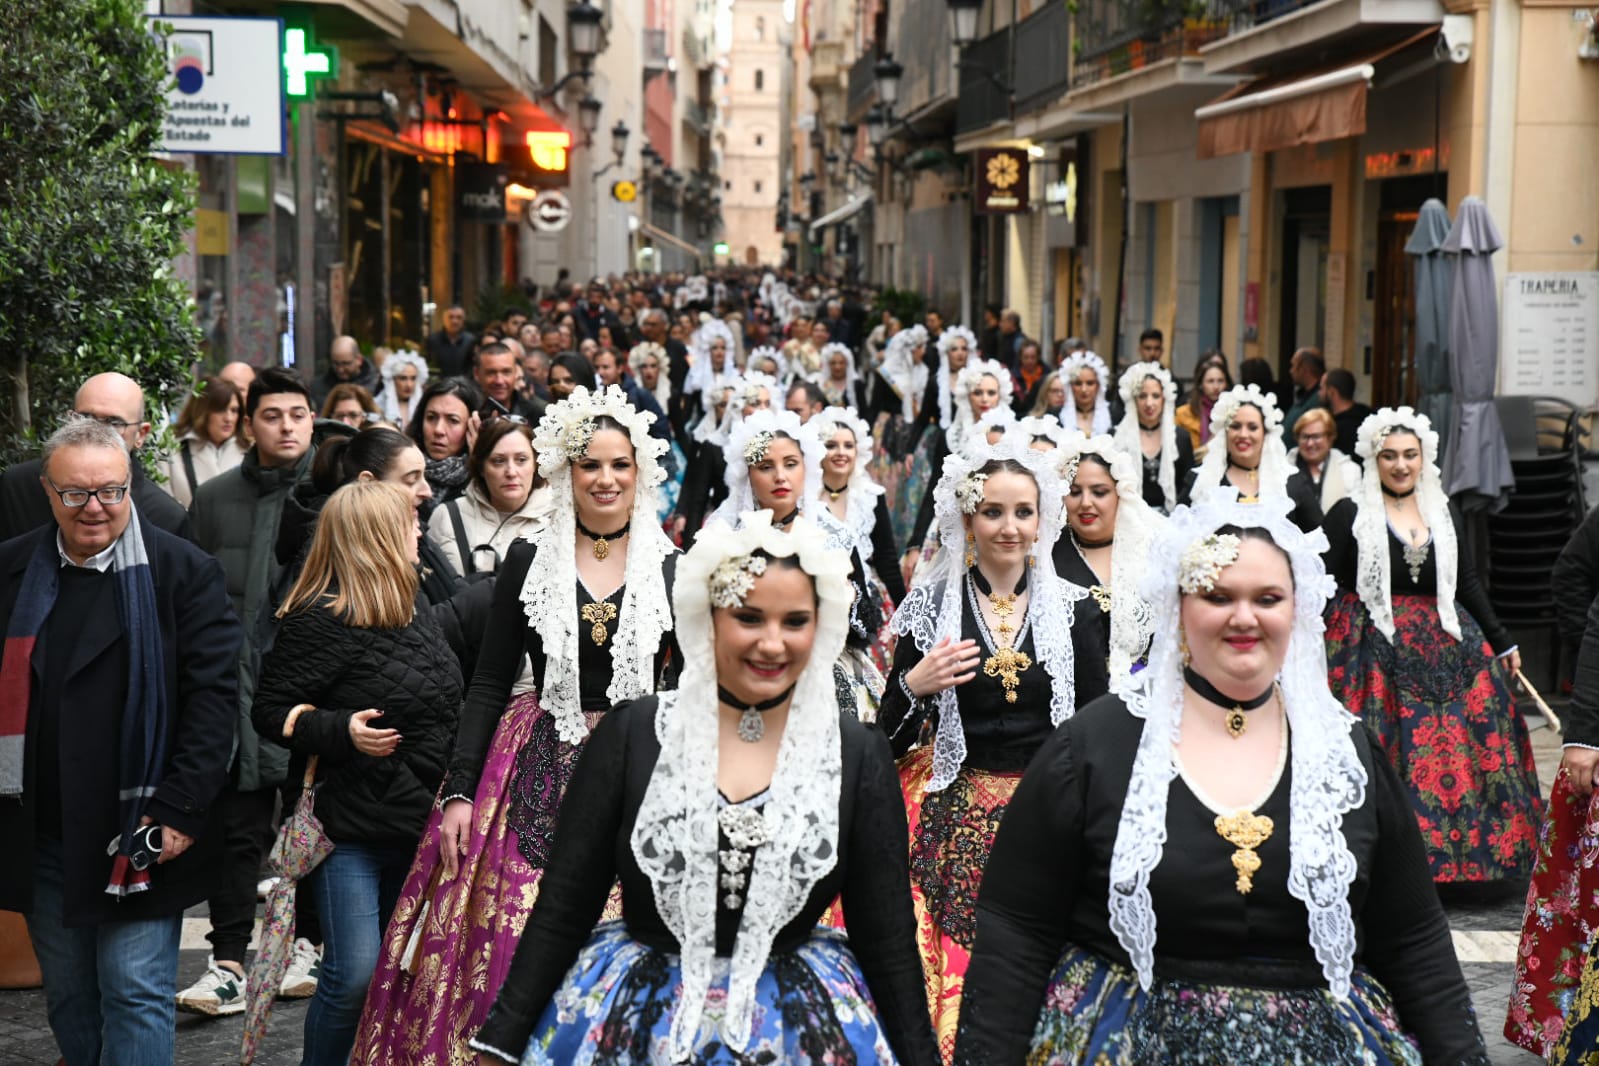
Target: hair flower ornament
column 1204, row 560
column 564, row 433
column 969, row 492
column 733, row 578
column 758, row 446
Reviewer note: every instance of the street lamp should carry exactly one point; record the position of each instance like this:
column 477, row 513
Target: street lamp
column 583, row 21
column 876, row 126
column 807, row 180
column 619, row 134
column 846, row 137
column 963, row 21
column 887, row 74
column 588, row 117
column 835, row 166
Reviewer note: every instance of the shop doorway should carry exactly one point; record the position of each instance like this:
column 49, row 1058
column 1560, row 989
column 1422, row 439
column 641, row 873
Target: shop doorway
column 1392, row 357
column 1306, row 234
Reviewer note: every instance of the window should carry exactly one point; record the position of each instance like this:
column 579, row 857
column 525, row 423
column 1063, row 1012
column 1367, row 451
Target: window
column 760, row 139
column 760, row 80
column 760, row 28
column 757, row 188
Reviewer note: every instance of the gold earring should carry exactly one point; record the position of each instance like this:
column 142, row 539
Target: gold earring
column 971, row 554
column 1182, row 647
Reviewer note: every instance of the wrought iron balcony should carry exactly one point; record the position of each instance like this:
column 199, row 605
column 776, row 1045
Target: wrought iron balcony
column 655, row 55
column 1242, row 15
column 1118, row 36
column 985, row 70
column 862, row 85
column 1043, row 41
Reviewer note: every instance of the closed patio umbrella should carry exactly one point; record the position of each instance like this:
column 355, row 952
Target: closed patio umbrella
column 1477, row 469
column 1434, row 276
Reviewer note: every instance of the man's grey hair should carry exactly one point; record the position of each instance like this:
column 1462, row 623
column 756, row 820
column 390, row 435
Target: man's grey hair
column 82, row 432
column 653, row 313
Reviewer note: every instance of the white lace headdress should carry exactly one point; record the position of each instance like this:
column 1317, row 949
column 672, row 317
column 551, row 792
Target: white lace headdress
column 756, row 433
column 761, row 354
column 863, row 490
column 710, row 429
column 903, row 371
column 702, row 376
column 1373, row 580
column 642, row 353
column 387, row 400
column 1001, row 418
column 1328, row 779
column 1086, row 360
column 955, row 435
column 931, row 610
column 946, row 387
column 1036, row 426
column 674, row 837
column 1132, row 622
column 1272, row 475
column 824, row 374
column 549, row 595
column 1127, row 433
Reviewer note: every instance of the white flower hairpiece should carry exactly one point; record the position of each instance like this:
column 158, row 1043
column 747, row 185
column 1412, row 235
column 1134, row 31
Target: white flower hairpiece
column 1387, row 421
column 757, row 447
column 733, row 578
column 1228, row 403
column 969, row 493
column 1204, row 560
column 564, row 433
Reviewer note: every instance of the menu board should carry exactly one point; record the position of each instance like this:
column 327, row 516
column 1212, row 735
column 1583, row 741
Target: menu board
column 1549, row 336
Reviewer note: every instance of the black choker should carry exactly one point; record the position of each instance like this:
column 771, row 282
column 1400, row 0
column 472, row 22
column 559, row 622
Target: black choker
column 781, row 523
column 601, row 546
column 833, row 493
column 1092, row 544
column 751, row 726
column 987, row 589
column 1245, row 469
column 1392, row 495
column 1236, row 719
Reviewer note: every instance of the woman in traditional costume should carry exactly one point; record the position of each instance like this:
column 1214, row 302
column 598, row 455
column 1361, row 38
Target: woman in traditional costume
column 1247, row 455
column 1148, row 431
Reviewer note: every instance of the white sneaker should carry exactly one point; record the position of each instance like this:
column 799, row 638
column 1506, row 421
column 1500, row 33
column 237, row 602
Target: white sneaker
column 263, row 888
column 305, row 967
column 218, row 992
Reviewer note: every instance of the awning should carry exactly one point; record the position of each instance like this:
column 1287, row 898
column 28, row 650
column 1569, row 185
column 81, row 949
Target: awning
column 839, row 214
column 668, row 238
column 1277, row 112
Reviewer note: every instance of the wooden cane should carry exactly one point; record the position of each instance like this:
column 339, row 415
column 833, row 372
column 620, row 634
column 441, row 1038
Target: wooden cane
column 1543, row 708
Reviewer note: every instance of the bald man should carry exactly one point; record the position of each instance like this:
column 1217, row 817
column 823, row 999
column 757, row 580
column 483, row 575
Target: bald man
column 117, row 401
column 346, row 366
column 240, row 375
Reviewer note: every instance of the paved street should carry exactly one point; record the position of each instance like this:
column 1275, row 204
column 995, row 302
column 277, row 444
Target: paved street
column 1486, row 928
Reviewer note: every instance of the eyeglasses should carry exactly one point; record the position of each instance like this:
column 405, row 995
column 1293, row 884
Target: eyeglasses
column 109, row 495
column 105, row 420
column 1311, row 438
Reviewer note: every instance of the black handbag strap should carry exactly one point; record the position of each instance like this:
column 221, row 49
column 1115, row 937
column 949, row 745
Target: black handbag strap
column 453, row 508
column 188, row 469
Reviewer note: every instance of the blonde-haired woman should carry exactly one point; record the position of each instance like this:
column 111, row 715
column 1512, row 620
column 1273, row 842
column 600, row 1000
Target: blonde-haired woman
column 1334, row 475
column 361, row 678
column 1051, row 395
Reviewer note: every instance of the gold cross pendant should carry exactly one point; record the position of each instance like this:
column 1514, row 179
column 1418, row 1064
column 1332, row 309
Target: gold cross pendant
column 598, row 614
column 1007, row 664
column 1245, row 831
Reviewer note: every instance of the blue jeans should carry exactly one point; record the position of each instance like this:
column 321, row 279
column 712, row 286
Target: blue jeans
column 109, row 989
column 357, row 887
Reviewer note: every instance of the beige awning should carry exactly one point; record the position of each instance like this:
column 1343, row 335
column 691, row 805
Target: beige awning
column 667, row 238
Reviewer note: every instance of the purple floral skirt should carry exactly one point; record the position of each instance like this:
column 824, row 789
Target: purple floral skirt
column 450, row 943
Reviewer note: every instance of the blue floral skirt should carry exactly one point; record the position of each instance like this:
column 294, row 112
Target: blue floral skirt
column 1095, row 1014
column 615, row 1009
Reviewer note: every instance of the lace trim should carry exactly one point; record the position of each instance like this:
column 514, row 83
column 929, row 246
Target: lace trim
column 903, row 372
column 1089, row 361
column 961, row 421
column 1274, row 467
column 740, row 496
column 1328, row 779
column 1127, row 434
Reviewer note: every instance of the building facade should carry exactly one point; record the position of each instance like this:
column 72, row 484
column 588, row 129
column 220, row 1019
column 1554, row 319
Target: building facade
column 752, row 131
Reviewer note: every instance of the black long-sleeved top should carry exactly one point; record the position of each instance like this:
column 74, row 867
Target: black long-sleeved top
column 508, row 637
column 1047, row 887
column 593, row 850
column 1581, row 719
column 1000, row 736
column 1182, row 468
column 704, row 489
column 885, row 553
column 1343, row 560
column 1575, row 580
column 1070, row 564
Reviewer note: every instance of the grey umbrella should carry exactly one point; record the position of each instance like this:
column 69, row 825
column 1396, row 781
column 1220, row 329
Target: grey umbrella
column 1434, row 276
column 1478, row 462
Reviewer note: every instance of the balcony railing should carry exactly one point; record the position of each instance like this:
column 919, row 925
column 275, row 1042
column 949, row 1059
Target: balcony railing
column 862, row 85
column 982, row 101
column 1043, row 40
column 655, row 56
column 699, row 116
column 1118, row 36
column 1243, row 15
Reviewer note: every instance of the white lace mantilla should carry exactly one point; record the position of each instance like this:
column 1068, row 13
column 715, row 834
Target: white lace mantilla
column 740, row 495
column 946, row 385
column 904, row 372
column 1128, row 435
column 674, row 838
column 1328, row 779
column 931, row 610
column 958, row 432
column 549, row 599
column 860, row 497
column 1373, row 580
column 1273, row 470
column 1086, row 360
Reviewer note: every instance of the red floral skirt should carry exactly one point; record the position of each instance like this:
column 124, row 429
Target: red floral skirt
column 1441, row 710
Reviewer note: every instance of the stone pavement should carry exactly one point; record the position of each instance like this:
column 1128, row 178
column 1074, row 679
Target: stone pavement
column 1486, row 926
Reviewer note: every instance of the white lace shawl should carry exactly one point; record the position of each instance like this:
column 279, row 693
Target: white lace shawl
column 1274, row 468
column 1132, row 621
column 740, row 496
column 702, row 376
column 1036, row 426
column 1127, row 433
column 674, row 837
column 764, row 352
column 860, row 511
column 1068, row 370
column 905, row 373
column 931, row 610
column 1328, row 779
column 710, row 430
column 946, row 387
column 957, row 431
column 824, row 379
column 1001, row 418
column 549, row 598
column 1373, row 581
column 663, row 380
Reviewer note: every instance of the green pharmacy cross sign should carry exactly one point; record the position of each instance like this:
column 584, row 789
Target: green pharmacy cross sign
column 303, row 60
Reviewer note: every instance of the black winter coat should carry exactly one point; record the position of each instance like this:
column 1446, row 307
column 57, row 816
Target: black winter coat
column 200, row 642
column 409, row 674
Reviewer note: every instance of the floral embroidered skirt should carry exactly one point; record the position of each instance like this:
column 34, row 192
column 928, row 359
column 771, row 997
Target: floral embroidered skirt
column 616, row 1005
column 1441, row 710
column 449, row 943
column 951, row 832
column 1096, row 1015
column 1556, row 986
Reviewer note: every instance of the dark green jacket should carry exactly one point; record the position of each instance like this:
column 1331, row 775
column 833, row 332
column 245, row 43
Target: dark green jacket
column 235, row 517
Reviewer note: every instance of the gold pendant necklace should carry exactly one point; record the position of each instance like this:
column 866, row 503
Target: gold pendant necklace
column 1245, row 831
column 602, row 545
column 1006, row 663
column 597, row 614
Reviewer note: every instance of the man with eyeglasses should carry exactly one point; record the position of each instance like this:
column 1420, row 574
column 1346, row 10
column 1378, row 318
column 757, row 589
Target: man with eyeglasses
column 236, row 519
column 116, row 401
column 107, row 787
column 346, row 366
